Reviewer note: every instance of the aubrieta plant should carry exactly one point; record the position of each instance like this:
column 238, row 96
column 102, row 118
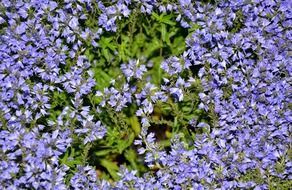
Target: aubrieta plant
column 145, row 94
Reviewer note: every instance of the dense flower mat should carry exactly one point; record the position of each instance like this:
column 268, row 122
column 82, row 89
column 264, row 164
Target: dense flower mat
column 145, row 94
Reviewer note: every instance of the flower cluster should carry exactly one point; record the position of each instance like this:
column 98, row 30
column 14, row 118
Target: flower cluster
column 246, row 74
column 85, row 178
column 36, row 155
column 239, row 51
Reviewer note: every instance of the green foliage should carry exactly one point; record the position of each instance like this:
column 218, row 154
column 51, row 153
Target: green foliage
column 274, row 183
column 111, row 167
column 153, row 38
column 238, row 23
column 254, row 175
column 72, row 159
column 150, row 39
column 279, row 184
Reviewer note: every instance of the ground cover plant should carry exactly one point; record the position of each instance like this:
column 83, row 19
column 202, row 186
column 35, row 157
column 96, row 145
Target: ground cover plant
column 145, row 94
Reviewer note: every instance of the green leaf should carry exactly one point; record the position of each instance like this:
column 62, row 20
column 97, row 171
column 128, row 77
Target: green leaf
column 111, row 167
column 65, row 158
column 166, row 20
column 152, row 47
column 135, row 124
column 89, row 55
column 178, row 46
column 147, row 30
column 105, row 41
column 166, row 109
column 103, row 152
column 71, row 160
column 106, row 54
column 193, row 28
column 175, row 125
column 126, row 143
column 131, row 156
column 163, row 32
column 156, row 16
column 122, row 56
column 156, row 72
column 102, row 78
